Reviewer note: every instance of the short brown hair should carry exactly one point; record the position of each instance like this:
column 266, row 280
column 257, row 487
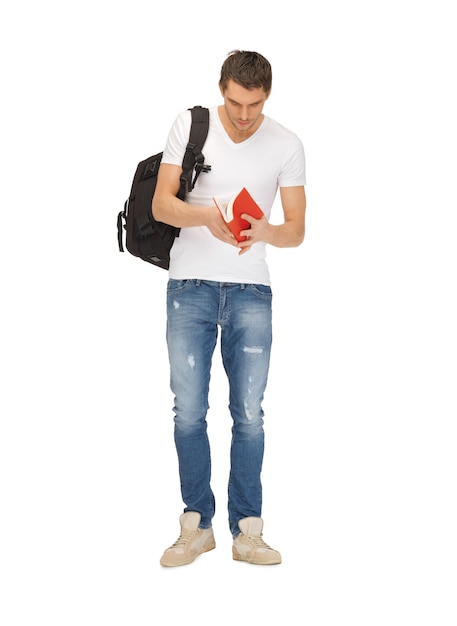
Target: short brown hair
column 249, row 69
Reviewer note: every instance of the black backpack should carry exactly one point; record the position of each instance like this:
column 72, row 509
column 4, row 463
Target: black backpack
column 146, row 238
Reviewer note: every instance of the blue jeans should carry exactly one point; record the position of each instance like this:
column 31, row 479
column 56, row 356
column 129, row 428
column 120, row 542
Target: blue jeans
column 195, row 311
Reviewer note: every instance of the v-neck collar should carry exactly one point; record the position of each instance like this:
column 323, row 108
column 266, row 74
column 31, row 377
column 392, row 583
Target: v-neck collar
column 239, row 143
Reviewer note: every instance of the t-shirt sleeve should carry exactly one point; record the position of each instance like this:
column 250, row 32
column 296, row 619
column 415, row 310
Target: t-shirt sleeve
column 293, row 172
column 177, row 139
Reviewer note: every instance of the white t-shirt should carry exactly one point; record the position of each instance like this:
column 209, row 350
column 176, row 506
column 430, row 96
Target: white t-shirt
column 272, row 157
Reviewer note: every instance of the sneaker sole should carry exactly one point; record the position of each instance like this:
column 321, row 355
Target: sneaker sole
column 238, row 557
column 190, row 560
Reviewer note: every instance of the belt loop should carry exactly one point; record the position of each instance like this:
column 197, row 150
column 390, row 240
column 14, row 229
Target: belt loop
column 243, row 286
column 198, row 282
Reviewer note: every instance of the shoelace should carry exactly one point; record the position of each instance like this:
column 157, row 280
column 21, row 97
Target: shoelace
column 184, row 537
column 259, row 542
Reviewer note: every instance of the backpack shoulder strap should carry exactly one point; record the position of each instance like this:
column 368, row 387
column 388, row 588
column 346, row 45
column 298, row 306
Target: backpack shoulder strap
column 193, row 156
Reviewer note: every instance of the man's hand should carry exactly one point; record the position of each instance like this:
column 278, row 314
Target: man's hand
column 257, row 232
column 219, row 228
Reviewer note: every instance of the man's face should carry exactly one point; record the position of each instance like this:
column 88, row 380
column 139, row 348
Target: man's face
column 243, row 106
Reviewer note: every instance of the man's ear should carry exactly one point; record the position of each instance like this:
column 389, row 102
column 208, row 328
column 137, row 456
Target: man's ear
column 221, row 89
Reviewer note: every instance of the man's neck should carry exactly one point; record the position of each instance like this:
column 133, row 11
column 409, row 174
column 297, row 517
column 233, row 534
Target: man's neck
column 235, row 134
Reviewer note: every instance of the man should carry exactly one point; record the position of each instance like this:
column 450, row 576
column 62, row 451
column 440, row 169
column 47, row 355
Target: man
column 217, row 283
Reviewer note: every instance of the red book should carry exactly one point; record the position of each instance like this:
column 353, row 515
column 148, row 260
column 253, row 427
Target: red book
column 240, row 203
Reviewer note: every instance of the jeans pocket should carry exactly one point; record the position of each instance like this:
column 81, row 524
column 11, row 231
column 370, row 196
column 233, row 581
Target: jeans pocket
column 175, row 285
column 261, row 291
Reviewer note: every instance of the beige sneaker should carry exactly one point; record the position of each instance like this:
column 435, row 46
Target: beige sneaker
column 192, row 542
column 249, row 545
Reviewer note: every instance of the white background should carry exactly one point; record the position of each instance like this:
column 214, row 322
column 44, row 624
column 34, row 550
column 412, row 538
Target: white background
column 360, row 467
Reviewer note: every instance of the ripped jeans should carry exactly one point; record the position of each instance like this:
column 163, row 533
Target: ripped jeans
column 195, row 311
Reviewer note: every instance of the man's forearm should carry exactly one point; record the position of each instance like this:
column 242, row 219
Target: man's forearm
column 287, row 235
column 171, row 210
